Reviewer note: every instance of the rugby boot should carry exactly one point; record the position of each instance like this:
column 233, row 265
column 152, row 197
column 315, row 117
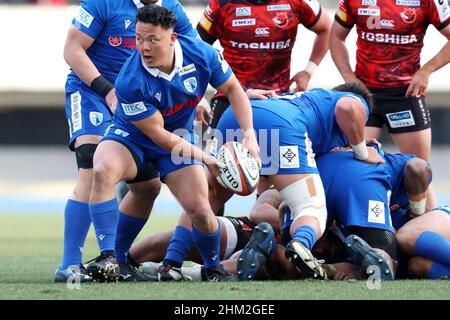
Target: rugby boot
column 369, row 260
column 304, row 261
column 130, row 272
column 216, row 275
column 104, row 268
column 256, row 252
column 72, row 273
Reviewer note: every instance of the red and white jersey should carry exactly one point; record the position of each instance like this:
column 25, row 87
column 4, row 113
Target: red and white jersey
column 258, row 39
column 390, row 36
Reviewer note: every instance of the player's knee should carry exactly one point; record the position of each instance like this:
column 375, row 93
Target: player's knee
column 417, row 267
column 149, row 189
column 306, row 197
column 417, row 175
column 202, row 217
column 85, row 155
column 105, row 174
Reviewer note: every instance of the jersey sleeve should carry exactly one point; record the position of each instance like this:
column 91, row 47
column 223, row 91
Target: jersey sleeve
column 132, row 101
column 344, row 15
column 439, row 13
column 310, row 11
column 219, row 68
column 183, row 25
column 91, row 17
column 210, row 21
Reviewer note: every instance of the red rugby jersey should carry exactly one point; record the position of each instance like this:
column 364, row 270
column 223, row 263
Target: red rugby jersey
column 258, row 39
column 390, row 36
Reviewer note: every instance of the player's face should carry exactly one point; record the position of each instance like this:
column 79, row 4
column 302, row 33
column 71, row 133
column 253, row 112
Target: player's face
column 155, row 45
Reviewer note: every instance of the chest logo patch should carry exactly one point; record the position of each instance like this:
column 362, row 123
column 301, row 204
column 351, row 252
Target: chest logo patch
column 409, row 15
column 115, row 41
column 190, row 84
column 281, row 19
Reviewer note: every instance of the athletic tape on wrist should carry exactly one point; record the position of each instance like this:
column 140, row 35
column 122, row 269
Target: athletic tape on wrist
column 310, row 67
column 360, row 150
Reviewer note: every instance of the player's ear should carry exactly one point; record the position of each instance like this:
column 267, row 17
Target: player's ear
column 173, row 37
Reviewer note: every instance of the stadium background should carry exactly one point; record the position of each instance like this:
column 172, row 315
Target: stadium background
column 37, row 170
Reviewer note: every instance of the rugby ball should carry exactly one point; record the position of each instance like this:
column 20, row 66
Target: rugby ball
column 241, row 172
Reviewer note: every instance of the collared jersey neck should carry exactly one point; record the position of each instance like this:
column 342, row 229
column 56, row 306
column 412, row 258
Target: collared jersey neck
column 178, row 64
column 139, row 4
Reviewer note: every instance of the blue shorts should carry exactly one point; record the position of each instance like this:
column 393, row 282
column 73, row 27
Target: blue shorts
column 143, row 153
column 86, row 111
column 357, row 193
column 285, row 146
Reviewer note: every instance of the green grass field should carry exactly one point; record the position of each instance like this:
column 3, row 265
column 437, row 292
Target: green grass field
column 31, row 247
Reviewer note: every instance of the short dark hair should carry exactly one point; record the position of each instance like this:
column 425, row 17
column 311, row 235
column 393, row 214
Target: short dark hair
column 156, row 15
column 359, row 89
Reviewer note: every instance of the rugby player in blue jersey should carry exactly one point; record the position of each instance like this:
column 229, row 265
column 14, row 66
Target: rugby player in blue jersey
column 303, row 124
column 158, row 89
column 100, row 40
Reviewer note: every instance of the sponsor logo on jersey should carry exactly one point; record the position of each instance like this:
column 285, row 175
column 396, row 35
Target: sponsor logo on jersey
column 279, row 7
column 115, row 41
column 190, row 84
column 186, row 69
column 443, row 9
column 96, row 118
column 408, row 15
column 387, row 24
column 389, row 38
column 157, row 96
column 127, row 23
column 243, row 11
column 76, row 117
column 376, row 212
column 132, row 109
column 281, row 20
column 191, row 103
column 262, row 32
column 121, row 133
column 401, row 119
column 205, row 22
column 289, row 157
column 274, row 45
column 409, row 3
column 243, row 22
column 84, row 17
column 129, row 43
column 368, row 12
column 369, row 2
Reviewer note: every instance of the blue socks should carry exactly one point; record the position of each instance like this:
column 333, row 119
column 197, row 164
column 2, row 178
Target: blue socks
column 128, row 228
column 104, row 217
column 179, row 246
column 306, row 235
column 208, row 245
column 77, row 221
column 434, row 247
column 439, row 271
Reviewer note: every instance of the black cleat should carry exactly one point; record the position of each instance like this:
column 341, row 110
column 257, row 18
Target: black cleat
column 71, row 274
column 168, row 273
column 216, row 275
column 104, row 268
column 256, row 252
column 131, row 273
column 369, row 260
column 304, row 261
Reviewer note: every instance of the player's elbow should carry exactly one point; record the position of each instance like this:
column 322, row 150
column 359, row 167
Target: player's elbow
column 349, row 109
column 417, row 176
